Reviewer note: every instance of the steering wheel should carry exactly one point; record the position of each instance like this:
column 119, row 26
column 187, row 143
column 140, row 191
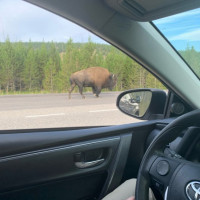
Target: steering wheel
column 168, row 173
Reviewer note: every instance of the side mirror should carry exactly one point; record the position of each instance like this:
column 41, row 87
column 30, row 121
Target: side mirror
column 143, row 104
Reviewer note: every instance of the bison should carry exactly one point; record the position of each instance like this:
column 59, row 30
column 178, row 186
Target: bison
column 95, row 77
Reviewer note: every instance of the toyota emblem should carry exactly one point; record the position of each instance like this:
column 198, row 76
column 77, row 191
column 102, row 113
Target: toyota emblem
column 193, row 190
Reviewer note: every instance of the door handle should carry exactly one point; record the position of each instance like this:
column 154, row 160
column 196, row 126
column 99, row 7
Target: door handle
column 83, row 165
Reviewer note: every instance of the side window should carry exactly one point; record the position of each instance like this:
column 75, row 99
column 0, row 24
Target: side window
column 46, row 62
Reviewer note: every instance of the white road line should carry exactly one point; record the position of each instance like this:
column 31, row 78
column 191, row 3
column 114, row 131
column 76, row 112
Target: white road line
column 108, row 110
column 49, row 115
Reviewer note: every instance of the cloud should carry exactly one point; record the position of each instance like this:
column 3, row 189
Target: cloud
column 189, row 36
column 23, row 21
column 181, row 28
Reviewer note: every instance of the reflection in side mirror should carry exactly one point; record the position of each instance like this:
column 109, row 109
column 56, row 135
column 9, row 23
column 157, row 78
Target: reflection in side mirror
column 135, row 103
column 145, row 104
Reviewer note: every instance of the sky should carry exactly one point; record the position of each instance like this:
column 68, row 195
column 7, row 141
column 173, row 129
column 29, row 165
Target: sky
column 21, row 21
column 182, row 30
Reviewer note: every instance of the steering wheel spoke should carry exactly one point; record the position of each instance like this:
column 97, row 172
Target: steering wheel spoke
column 161, row 172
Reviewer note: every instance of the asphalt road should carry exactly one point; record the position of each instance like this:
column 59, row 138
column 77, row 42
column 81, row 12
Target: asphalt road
column 56, row 110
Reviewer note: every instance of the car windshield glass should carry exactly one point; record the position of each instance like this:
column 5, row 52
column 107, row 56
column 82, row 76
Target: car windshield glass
column 183, row 32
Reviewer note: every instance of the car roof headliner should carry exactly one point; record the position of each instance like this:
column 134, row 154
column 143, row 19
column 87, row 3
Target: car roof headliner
column 139, row 10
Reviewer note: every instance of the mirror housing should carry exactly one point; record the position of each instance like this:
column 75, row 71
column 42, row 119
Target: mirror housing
column 144, row 104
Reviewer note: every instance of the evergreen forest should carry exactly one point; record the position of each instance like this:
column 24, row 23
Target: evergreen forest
column 45, row 67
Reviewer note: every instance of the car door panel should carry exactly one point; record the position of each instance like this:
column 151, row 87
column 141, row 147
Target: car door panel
column 52, row 164
column 50, row 167
column 46, row 166
column 74, row 188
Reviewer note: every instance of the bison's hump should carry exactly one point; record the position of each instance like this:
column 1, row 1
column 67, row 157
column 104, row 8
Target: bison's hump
column 92, row 71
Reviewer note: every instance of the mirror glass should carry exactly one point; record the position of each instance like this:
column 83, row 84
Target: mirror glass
column 135, row 103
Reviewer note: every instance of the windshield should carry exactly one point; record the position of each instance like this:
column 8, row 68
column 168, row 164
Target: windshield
column 183, row 32
column 56, row 74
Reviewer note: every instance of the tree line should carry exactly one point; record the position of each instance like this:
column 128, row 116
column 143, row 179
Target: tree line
column 46, row 67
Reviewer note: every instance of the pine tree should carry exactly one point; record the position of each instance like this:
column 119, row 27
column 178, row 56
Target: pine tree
column 7, row 61
column 29, row 75
column 50, row 73
column 20, row 52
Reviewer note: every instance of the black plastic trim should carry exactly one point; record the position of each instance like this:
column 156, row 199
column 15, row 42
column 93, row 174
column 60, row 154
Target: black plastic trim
column 51, row 164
